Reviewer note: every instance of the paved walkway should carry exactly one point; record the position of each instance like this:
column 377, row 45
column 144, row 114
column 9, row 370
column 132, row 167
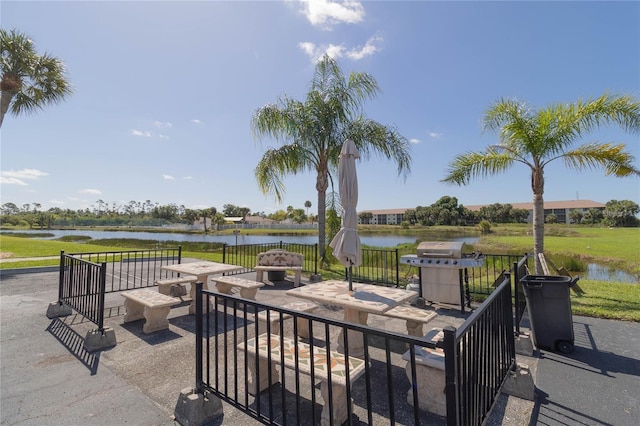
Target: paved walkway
column 47, row 378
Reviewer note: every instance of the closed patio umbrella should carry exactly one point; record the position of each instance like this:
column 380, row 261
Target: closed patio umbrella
column 346, row 243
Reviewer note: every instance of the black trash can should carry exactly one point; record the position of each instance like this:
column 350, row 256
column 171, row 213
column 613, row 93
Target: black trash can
column 275, row 276
column 549, row 307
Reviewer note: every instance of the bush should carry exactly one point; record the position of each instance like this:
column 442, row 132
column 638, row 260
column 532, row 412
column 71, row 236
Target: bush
column 484, row 226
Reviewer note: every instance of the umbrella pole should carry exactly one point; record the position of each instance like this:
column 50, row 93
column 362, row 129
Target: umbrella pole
column 350, row 278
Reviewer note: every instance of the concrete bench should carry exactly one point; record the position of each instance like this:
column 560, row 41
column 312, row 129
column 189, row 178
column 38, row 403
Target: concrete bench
column 415, row 317
column 248, row 288
column 274, row 318
column 150, row 305
column 430, row 376
column 279, row 260
column 173, row 286
column 259, row 348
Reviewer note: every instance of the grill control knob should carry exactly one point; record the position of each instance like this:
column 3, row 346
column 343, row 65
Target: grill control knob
column 437, row 261
column 446, row 261
column 455, row 262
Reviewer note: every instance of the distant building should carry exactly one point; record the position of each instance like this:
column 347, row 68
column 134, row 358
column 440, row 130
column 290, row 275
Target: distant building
column 559, row 208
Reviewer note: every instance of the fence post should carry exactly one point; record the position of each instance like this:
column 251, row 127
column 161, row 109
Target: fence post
column 61, row 283
column 103, row 288
column 397, row 268
column 315, row 259
column 199, row 378
column 516, row 282
column 224, row 252
column 451, row 374
column 179, row 254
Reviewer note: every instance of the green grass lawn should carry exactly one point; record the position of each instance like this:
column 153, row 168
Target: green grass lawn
column 601, row 299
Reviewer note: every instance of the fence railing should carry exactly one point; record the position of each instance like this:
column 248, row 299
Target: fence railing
column 130, row 269
column 246, row 255
column 478, row 357
column 85, row 278
column 520, row 269
column 227, row 365
column 82, row 287
column 378, row 266
column 236, row 365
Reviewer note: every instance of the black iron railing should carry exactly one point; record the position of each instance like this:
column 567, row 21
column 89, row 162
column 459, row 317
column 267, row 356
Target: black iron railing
column 479, row 357
column 246, row 255
column 377, row 391
column 130, row 269
column 85, row 278
column 379, row 266
column 82, row 287
column 520, row 269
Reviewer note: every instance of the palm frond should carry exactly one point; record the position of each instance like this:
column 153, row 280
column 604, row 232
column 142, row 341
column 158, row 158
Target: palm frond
column 613, row 159
column 470, row 165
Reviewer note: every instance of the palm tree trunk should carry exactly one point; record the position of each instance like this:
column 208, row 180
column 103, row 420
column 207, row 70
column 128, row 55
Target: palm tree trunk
column 537, row 186
column 5, row 101
column 322, row 220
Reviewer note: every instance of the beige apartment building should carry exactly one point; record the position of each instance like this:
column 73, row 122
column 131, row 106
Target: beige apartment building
column 559, row 208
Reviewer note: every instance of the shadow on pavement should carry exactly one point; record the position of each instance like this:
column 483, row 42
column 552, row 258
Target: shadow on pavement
column 74, row 343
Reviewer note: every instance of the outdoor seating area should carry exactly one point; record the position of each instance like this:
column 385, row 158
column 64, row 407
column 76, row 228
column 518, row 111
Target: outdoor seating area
column 331, row 325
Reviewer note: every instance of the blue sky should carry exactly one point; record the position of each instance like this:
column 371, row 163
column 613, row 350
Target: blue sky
column 164, row 92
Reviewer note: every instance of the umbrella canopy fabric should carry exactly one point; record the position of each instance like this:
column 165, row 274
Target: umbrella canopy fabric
column 346, row 243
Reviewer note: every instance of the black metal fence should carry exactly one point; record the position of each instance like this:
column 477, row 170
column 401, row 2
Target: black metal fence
column 478, row 357
column 227, row 366
column 82, row 287
column 131, row 269
column 237, row 360
column 85, row 278
column 247, row 255
column 379, row 266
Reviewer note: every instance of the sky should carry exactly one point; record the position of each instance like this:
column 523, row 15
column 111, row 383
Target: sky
column 164, row 93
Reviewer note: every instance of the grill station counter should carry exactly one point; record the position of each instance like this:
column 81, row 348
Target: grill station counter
column 443, row 271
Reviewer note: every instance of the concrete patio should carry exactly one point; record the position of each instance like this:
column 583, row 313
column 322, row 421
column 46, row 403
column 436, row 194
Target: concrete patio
column 48, row 379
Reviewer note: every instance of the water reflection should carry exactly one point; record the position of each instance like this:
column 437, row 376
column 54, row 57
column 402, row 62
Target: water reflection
column 604, row 273
column 369, row 240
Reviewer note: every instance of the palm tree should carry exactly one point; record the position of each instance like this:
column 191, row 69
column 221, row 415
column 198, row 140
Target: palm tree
column 537, row 137
column 307, row 205
column 312, row 132
column 29, row 81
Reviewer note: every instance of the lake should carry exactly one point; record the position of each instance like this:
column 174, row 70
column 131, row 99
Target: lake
column 385, row 241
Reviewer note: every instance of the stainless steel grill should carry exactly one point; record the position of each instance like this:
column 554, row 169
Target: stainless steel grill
column 443, row 271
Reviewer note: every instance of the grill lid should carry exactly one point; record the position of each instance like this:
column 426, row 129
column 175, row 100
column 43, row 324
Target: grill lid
column 451, row 249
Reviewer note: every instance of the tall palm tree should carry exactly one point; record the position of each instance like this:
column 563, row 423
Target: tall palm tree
column 537, row 137
column 28, row 81
column 311, row 133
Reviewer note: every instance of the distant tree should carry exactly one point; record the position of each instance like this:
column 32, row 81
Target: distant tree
column 365, row 217
column 551, row 218
column 29, row 81
column 307, row 205
column 312, row 133
column 592, row 216
column 537, row 137
column 620, row 213
column 10, row 209
column 575, row 216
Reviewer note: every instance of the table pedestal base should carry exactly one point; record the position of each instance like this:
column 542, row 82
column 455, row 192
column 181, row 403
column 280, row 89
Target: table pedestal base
column 355, row 339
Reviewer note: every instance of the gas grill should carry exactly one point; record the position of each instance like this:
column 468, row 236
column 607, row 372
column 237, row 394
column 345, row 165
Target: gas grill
column 443, row 271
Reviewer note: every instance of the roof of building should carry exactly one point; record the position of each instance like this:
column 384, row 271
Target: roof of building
column 570, row 204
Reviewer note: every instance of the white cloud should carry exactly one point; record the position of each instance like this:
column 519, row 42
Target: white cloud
column 13, row 177
column 163, row 136
column 315, row 52
column 414, row 141
column 162, row 124
column 90, row 191
column 325, row 13
column 195, row 121
column 168, row 177
column 141, row 133
column 187, row 178
column 434, row 135
column 56, row 202
column 368, row 49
